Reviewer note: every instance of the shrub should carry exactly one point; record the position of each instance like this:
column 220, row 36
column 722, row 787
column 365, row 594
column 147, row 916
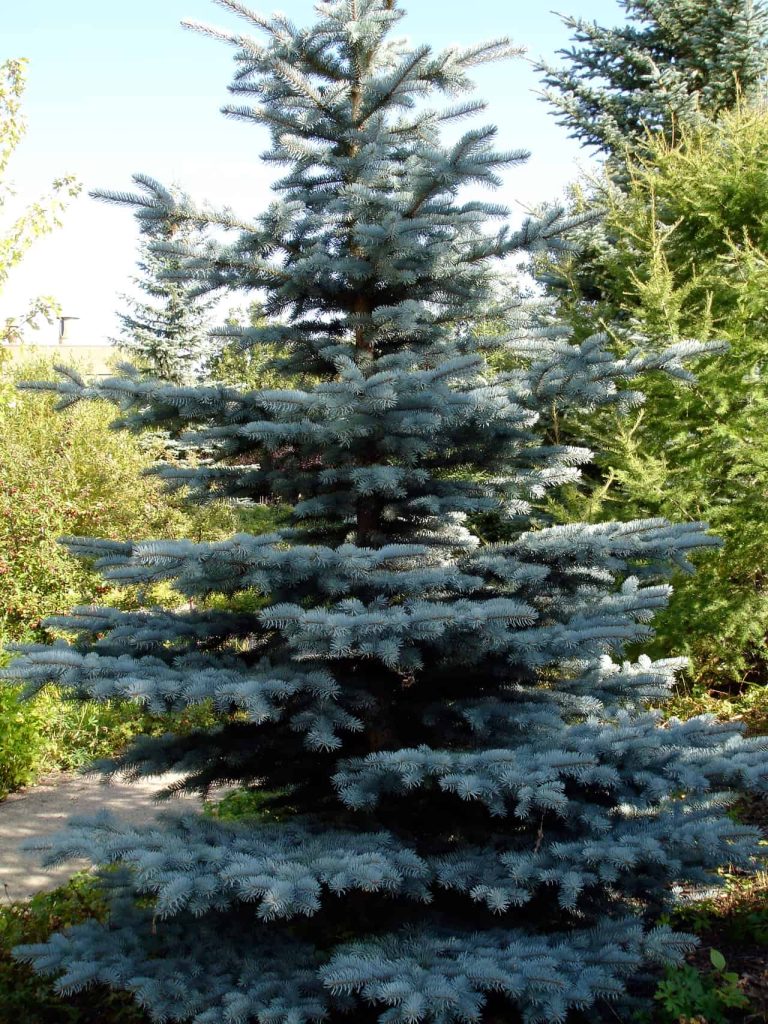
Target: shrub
column 69, row 473
column 686, row 993
column 25, row 998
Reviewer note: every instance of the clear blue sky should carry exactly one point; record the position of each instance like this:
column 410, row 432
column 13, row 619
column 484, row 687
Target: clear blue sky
column 116, row 88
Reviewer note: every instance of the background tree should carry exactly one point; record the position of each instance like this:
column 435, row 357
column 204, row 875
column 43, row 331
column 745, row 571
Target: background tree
column 470, row 815
column 242, row 365
column 673, row 61
column 675, row 100
column 168, row 332
column 38, row 219
column 690, row 258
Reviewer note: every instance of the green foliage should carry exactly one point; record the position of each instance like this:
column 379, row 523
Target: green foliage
column 738, row 913
column 21, row 741
column 63, row 474
column 25, row 997
column 748, row 704
column 251, row 366
column 669, row 63
column 50, row 733
column 704, row 991
column 69, row 474
column 264, row 518
column 686, row 993
column 246, row 802
column 688, row 257
column 41, row 217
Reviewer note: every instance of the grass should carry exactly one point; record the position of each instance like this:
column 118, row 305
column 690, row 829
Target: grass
column 734, row 924
column 27, row 998
column 747, row 704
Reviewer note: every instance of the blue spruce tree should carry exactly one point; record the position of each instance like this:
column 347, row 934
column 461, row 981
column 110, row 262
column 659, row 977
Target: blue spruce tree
column 474, row 817
column 166, row 332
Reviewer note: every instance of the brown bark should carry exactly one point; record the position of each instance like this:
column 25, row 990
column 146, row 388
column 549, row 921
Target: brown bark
column 362, row 304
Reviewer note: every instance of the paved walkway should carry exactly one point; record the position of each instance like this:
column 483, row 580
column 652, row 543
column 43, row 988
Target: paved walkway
column 44, row 808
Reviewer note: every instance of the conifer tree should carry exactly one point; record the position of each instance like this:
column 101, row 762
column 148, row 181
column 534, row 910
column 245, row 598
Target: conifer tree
column 470, row 815
column 671, row 61
column 690, row 259
column 167, row 333
column 676, row 65
column 657, row 262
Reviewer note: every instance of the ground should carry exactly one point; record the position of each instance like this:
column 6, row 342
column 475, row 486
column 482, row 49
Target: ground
column 45, row 808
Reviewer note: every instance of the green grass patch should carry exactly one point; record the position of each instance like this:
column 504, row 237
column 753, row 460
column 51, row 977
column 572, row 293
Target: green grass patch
column 28, row 998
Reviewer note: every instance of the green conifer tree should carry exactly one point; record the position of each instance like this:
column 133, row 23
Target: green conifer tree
column 167, row 333
column 471, row 814
column 674, row 64
column 690, row 258
column 680, row 195
column 672, row 61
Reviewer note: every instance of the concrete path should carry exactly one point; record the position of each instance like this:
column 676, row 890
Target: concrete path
column 44, row 808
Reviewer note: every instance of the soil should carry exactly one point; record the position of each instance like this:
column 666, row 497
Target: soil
column 45, row 808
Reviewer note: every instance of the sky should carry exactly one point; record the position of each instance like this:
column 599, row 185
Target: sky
column 122, row 88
